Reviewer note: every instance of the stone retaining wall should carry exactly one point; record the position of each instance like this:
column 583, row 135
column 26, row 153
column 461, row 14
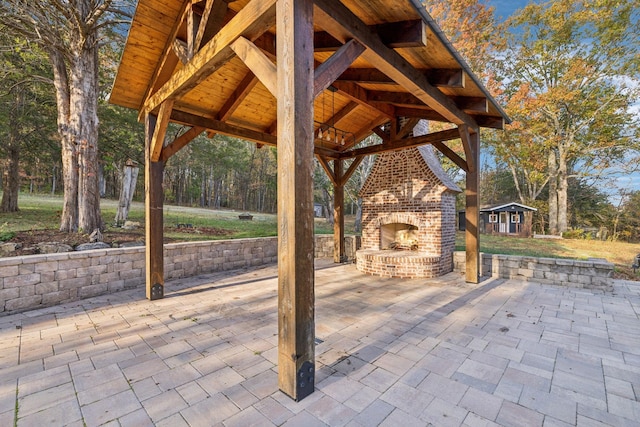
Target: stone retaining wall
column 35, row 281
column 590, row 274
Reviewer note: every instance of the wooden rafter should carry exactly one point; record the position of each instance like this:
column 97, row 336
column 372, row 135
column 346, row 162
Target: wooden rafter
column 257, row 62
column 341, row 23
column 366, row 130
column 327, row 72
column 445, row 135
column 411, row 33
column 452, row 78
column 216, row 126
column 339, row 115
column 167, row 63
column 237, row 97
column 407, row 128
column 422, row 113
column 251, row 22
column 359, row 94
column 212, row 20
column 476, row 104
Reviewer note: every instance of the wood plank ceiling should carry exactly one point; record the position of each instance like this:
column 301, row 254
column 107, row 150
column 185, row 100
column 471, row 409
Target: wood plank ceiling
column 380, row 65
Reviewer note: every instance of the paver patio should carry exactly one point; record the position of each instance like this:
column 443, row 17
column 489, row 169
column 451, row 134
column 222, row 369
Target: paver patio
column 389, row 352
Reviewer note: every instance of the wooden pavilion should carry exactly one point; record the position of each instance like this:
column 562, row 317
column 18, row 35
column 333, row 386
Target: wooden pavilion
column 314, row 78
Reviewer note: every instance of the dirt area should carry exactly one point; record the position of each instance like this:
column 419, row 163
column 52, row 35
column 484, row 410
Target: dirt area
column 28, row 240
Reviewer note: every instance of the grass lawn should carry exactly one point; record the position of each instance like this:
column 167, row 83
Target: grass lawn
column 43, row 212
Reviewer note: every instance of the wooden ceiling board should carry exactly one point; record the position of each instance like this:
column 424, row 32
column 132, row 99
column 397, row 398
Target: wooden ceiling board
column 155, row 23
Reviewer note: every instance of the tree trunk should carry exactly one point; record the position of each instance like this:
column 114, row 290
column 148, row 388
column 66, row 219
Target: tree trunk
column 358, row 225
column 553, row 192
column 129, row 180
column 69, row 217
column 562, row 194
column 84, row 122
column 12, row 186
column 54, row 180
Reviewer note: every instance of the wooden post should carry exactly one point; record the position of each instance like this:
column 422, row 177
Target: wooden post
column 296, row 327
column 338, row 212
column 472, row 213
column 153, row 216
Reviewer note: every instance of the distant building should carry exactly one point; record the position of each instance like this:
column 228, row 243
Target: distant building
column 505, row 219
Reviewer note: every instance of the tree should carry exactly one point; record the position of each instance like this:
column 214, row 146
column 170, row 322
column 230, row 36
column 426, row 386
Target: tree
column 70, row 34
column 572, row 65
column 24, row 101
column 472, row 29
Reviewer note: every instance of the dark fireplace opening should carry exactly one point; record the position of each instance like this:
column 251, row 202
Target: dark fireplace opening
column 399, row 236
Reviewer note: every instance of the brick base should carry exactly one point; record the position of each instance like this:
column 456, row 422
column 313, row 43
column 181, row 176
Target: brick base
column 402, row 264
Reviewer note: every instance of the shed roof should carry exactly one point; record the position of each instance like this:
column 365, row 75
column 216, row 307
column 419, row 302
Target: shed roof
column 208, row 73
column 513, row 206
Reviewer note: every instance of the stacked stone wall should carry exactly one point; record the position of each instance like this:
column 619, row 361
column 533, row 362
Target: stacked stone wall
column 590, row 274
column 34, row 281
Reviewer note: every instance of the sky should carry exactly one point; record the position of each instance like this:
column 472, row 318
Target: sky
column 505, row 8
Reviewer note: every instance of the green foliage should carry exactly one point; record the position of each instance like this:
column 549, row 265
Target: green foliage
column 6, row 235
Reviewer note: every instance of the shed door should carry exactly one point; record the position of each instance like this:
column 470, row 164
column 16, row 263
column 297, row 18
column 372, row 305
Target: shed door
column 504, row 222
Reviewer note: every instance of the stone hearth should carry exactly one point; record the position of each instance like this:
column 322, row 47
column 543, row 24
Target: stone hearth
column 408, row 216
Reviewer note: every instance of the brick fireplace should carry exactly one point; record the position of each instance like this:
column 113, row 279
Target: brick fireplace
column 408, row 216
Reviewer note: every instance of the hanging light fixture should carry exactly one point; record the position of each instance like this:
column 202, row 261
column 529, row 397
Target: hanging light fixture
column 328, row 131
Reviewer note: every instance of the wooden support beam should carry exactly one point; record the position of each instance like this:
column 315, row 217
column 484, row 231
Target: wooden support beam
column 472, row 213
column 381, row 133
column 178, row 143
column 352, row 168
column 416, row 141
column 296, row 301
column 218, row 126
column 407, row 128
column 168, row 60
column 213, row 17
column 358, row 94
column 193, row 23
column 472, row 104
column 366, row 130
column 237, row 97
column 339, row 115
column 181, row 50
column 251, row 22
column 154, row 250
column 476, row 104
column 484, row 121
column 327, row 169
column 410, row 33
column 467, row 145
column 257, row 62
column 338, row 213
column 452, row 155
column 160, row 130
column 327, row 72
column 341, row 23
column 435, row 76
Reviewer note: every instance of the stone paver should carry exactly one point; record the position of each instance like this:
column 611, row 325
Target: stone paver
column 393, row 352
